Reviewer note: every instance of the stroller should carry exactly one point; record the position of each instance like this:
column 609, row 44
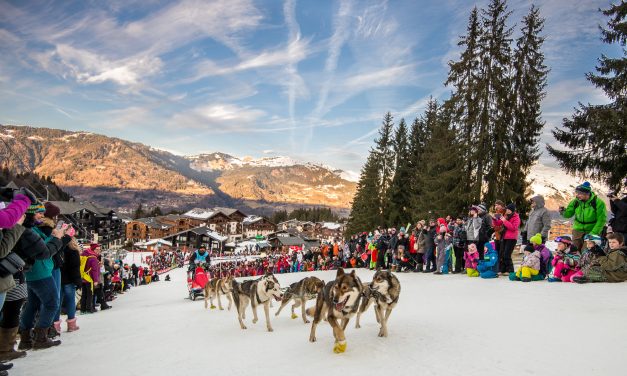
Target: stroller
column 196, row 282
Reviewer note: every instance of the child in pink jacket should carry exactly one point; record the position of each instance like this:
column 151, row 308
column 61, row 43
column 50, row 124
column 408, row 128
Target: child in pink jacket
column 472, row 258
column 565, row 261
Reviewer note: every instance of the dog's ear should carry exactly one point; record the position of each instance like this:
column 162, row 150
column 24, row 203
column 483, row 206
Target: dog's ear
column 340, row 272
column 353, row 273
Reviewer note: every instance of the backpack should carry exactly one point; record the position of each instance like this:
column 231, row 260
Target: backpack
column 85, row 273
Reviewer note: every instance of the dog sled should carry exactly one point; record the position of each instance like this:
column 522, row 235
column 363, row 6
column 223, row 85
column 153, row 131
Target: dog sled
column 196, row 282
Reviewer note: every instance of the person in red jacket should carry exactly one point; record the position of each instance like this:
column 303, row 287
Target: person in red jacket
column 511, row 224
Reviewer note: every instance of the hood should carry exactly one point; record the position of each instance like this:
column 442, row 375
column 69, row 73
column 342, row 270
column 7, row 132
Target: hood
column 539, row 200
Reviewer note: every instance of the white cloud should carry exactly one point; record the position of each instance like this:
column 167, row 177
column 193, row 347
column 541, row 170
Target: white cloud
column 567, row 93
column 219, row 117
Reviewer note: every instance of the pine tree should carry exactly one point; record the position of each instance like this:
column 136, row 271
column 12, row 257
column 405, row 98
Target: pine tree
column 495, row 99
column 139, row 212
column 384, row 156
column 365, row 213
column 530, row 75
column 441, row 170
column 595, row 135
column 422, row 130
column 464, row 75
column 399, row 194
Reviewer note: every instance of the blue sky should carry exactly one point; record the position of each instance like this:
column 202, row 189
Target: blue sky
column 306, row 79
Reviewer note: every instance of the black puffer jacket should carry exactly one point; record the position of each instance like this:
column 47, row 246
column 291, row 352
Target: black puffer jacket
column 71, row 269
column 32, row 247
column 619, row 209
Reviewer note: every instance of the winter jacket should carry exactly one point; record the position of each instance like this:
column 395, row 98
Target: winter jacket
column 14, row 211
column 590, row 216
column 610, row 268
column 486, row 230
column 92, row 266
column 421, row 240
column 71, row 269
column 37, row 253
column 511, row 226
column 473, row 226
column 532, row 260
column 472, row 259
column 619, row 210
column 8, row 239
column 571, row 259
column 489, row 266
column 459, row 236
column 539, row 221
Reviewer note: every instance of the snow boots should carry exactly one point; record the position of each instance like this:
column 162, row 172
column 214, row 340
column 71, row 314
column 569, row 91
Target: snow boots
column 71, row 325
column 41, row 340
column 55, row 330
column 26, row 339
column 7, row 345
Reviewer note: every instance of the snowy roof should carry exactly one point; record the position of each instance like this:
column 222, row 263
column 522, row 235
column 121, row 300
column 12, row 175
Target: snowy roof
column 153, row 242
column 198, row 213
column 331, row 225
column 251, row 219
column 202, row 230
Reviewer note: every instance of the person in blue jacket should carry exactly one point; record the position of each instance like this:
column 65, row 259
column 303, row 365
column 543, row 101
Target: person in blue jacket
column 489, row 266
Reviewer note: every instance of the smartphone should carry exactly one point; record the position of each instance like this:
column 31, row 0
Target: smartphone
column 60, row 225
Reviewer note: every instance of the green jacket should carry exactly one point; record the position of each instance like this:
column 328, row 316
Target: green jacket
column 610, row 268
column 590, row 216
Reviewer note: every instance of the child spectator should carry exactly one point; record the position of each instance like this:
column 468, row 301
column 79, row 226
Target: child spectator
column 530, row 265
column 591, row 252
column 565, row 261
column 610, row 268
column 443, row 243
column 489, row 266
column 472, row 259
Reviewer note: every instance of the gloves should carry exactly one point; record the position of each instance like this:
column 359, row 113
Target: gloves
column 26, row 192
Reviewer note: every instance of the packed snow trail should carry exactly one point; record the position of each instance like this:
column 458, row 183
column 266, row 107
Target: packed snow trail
column 443, row 325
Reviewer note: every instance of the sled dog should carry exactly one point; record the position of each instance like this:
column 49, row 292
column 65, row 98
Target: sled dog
column 216, row 287
column 301, row 291
column 256, row 292
column 338, row 301
column 383, row 291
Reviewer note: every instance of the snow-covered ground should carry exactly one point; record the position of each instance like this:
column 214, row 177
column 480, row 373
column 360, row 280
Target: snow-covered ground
column 443, row 325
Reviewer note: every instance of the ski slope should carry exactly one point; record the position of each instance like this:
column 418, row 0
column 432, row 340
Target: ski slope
column 443, row 325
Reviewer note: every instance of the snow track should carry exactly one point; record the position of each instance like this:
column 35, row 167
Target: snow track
column 443, row 325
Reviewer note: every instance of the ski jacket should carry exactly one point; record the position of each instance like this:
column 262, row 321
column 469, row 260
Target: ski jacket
column 511, row 226
column 532, row 260
column 590, row 216
column 539, row 221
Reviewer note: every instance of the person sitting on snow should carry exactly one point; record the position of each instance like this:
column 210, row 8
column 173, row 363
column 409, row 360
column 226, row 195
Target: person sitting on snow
column 489, row 266
column 472, row 258
column 530, row 265
column 565, row 261
column 610, row 268
column 591, row 252
column 545, row 259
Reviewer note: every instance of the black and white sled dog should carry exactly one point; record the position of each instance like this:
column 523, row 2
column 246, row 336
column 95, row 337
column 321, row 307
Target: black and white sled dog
column 301, row 291
column 383, row 291
column 338, row 301
column 256, row 292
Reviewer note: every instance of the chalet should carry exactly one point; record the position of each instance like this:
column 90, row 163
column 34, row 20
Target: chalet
column 254, row 226
column 329, row 231
column 144, row 229
column 225, row 221
column 195, row 238
column 93, row 222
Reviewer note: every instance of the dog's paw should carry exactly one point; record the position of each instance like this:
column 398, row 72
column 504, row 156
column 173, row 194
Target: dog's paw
column 357, row 326
column 312, row 339
column 270, row 329
column 244, row 327
column 339, row 347
column 294, row 316
column 213, row 307
column 255, row 321
column 307, row 321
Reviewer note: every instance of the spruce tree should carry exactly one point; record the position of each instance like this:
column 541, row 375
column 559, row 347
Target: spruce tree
column 530, row 75
column 427, row 123
column 595, row 135
column 365, row 213
column 441, row 169
column 464, row 75
column 495, row 99
column 399, row 194
column 384, row 157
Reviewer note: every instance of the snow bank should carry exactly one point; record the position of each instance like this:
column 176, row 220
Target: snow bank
column 443, row 325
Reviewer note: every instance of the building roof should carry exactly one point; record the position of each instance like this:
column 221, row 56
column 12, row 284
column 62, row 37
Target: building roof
column 153, row 222
column 202, row 230
column 291, row 240
column 71, row 207
column 228, row 211
column 331, row 225
column 198, row 213
column 12, row 185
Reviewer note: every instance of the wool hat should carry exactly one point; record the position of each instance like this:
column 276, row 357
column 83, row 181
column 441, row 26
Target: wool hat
column 536, row 239
column 585, row 187
column 94, row 246
column 529, row 248
column 511, row 207
column 482, row 208
column 593, row 238
column 51, row 210
column 37, row 207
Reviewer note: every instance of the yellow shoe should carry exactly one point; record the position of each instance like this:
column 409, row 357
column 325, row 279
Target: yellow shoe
column 213, row 307
column 294, row 316
column 339, row 347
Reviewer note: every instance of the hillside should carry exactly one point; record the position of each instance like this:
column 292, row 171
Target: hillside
column 120, row 173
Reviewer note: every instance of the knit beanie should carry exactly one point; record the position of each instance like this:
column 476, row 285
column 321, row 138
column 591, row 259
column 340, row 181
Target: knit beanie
column 511, row 207
column 37, row 207
column 529, row 248
column 584, row 188
column 536, row 239
column 51, row 210
column 94, row 246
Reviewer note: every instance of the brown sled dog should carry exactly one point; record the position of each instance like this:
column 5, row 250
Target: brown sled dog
column 383, row 291
column 301, row 291
column 256, row 292
column 338, row 301
column 216, row 287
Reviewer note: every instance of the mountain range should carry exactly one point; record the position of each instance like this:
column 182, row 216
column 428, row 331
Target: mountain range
column 120, row 174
